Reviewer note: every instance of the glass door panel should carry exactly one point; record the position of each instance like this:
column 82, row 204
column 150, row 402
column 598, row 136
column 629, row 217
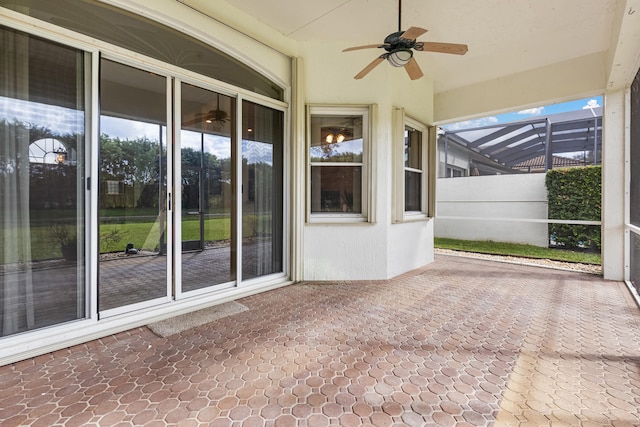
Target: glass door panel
column 208, row 186
column 42, row 215
column 262, row 174
column 133, row 187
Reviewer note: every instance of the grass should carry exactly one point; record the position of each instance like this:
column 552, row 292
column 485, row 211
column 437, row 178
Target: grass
column 513, row 249
column 137, row 229
column 146, row 235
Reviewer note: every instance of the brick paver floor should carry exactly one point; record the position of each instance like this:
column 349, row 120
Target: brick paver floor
column 459, row 342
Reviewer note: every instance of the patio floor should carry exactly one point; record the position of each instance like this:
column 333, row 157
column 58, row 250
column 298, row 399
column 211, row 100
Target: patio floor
column 461, row 342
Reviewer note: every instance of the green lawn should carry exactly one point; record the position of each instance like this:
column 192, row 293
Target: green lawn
column 139, row 230
column 146, row 235
column 528, row 251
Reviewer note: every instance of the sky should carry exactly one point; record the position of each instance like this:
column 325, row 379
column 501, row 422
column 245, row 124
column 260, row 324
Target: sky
column 63, row 120
column 529, row 113
column 59, row 120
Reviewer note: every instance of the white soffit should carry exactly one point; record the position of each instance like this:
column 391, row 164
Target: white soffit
column 504, row 36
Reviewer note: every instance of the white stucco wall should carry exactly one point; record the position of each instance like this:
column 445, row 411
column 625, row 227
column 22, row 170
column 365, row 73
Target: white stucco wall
column 453, row 157
column 379, row 249
column 616, row 131
column 493, row 207
column 411, row 246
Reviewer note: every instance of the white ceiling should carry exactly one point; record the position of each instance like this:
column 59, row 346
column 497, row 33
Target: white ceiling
column 504, row 36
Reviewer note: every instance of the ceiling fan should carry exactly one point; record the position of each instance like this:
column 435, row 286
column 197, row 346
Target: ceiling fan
column 216, row 118
column 399, row 47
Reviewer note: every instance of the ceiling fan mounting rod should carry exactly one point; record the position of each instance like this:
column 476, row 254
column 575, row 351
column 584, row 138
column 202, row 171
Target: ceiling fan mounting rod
column 399, row 15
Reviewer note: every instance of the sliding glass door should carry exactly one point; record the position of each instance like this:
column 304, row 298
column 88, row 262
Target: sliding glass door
column 42, row 181
column 153, row 249
column 140, row 174
column 133, row 187
column 262, row 197
column 208, row 186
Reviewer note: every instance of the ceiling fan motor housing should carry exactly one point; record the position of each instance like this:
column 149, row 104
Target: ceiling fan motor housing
column 394, row 42
column 398, row 48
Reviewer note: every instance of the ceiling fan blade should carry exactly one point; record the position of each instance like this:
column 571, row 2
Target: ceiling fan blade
column 458, row 49
column 369, row 46
column 413, row 69
column 413, row 33
column 369, row 67
column 192, row 122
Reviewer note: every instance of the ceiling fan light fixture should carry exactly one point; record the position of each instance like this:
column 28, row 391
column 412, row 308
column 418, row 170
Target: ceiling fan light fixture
column 329, row 138
column 400, row 58
column 336, row 135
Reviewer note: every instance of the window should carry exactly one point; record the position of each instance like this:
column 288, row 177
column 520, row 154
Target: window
column 411, row 172
column 338, row 139
column 113, row 187
column 413, row 169
column 455, row 172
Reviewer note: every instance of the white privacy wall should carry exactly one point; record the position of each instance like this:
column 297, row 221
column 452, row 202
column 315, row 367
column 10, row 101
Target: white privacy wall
column 502, row 208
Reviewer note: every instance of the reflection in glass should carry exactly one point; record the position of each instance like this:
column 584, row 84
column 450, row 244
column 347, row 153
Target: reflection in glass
column 634, row 152
column 413, row 170
column 132, row 220
column 206, row 154
column 634, row 184
column 336, row 187
column 634, row 273
column 412, row 191
column 42, row 262
column 262, row 174
column 336, row 139
column 412, row 148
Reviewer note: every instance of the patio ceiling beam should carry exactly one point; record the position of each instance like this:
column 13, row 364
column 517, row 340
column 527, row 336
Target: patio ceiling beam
column 575, row 142
column 573, row 136
column 452, row 137
column 504, row 144
column 494, row 135
column 533, row 151
column 522, row 155
column 500, row 126
column 564, row 145
column 576, row 133
column 572, row 148
column 501, row 157
column 561, row 127
column 529, row 156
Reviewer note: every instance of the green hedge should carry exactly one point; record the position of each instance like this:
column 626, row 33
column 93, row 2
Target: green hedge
column 575, row 194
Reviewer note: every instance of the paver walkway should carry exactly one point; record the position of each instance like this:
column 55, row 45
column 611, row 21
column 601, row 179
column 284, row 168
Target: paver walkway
column 459, row 342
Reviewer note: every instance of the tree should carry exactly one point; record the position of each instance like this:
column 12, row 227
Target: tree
column 137, row 164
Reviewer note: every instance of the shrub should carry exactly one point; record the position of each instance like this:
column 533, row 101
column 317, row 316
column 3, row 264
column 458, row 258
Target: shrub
column 575, row 194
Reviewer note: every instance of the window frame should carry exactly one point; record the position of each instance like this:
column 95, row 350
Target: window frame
column 366, row 112
column 452, row 169
column 401, row 121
